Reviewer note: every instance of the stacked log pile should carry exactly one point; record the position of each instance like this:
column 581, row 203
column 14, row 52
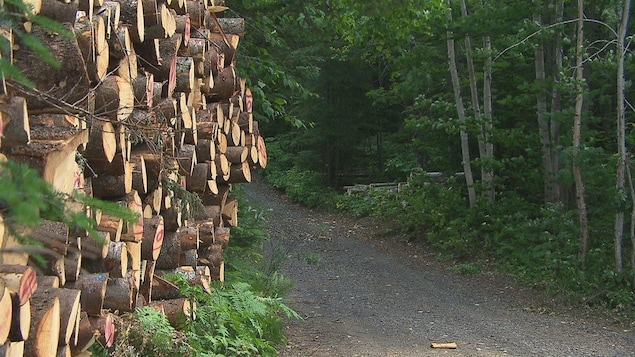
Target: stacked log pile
column 146, row 110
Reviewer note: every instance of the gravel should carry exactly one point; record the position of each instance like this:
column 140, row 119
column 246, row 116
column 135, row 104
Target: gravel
column 364, row 292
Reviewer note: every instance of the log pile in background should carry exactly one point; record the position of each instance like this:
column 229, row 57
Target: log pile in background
column 147, row 94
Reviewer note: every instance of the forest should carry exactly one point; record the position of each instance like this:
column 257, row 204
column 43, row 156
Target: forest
column 510, row 121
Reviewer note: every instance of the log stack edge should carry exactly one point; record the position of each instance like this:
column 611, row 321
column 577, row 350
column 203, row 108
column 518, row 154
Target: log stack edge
column 145, row 105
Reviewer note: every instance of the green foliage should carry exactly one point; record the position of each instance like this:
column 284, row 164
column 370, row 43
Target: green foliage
column 190, row 203
column 235, row 321
column 26, row 200
column 12, row 14
column 146, row 333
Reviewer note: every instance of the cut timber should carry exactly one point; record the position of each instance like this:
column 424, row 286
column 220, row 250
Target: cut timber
column 178, row 311
column 200, row 277
column 217, row 199
column 187, row 159
column 195, row 48
column 112, row 225
column 151, row 13
column 139, row 176
column 121, row 294
column 189, row 236
column 163, row 289
column 198, row 180
column 189, row 257
column 164, row 27
column 225, row 46
column 196, row 9
column 20, row 279
column 133, row 230
column 246, row 122
column 146, row 287
column 153, row 234
column 170, row 251
column 168, row 48
column 110, row 11
column 72, row 265
column 183, row 27
column 206, row 232
column 225, row 84
column 87, row 6
column 12, row 349
column 119, row 43
column 59, row 11
column 15, row 121
column 110, row 186
column 448, row 345
column 221, row 236
column 222, row 164
column 101, row 166
column 91, row 38
column 154, row 199
column 55, row 266
column 238, row 173
column 149, row 52
column 20, row 319
column 66, row 86
column 52, row 120
column 132, row 14
column 85, row 337
column 102, row 143
column 230, row 212
column 93, row 288
column 96, row 247
column 212, row 255
column 205, row 150
column 7, row 312
column 172, row 217
column 45, row 328
column 143, row 88
column 114, row 98
column 105, row 326
column 54, row 157
column 249, row 101
column 115, row 263
column 125, row 68
column 69, row 309
column 184, row 74
column 262, row 152
column 228, row 25
column 236, row 154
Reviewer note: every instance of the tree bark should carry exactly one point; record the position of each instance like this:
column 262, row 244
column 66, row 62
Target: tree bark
column 577, row 134
column 621, row 132
column 465, row 147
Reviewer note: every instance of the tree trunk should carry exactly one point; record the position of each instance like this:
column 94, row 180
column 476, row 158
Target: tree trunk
column 577, row 133
column 621, row 132
column 465, row 147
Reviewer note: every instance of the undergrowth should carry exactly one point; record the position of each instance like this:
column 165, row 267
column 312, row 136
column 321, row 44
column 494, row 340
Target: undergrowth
column 537, row 244
column 244, row 316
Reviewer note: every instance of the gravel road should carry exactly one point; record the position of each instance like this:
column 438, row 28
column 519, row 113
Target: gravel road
column 364, row 293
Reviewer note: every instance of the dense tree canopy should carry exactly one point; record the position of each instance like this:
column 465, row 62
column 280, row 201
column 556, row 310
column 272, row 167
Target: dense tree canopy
column 370, row 85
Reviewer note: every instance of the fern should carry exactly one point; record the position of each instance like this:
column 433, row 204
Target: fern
column 234, row 320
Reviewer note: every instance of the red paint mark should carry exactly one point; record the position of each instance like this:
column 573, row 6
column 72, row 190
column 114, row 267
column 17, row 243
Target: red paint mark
column 109, row 333
column 28, row 285
column 188, row 27
column 249, row 100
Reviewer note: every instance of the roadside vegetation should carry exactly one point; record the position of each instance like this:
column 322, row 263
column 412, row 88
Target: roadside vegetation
column 521, row 107
column 244, row 316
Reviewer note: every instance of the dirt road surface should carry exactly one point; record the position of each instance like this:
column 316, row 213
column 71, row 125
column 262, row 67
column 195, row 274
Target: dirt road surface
column 364, row 293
